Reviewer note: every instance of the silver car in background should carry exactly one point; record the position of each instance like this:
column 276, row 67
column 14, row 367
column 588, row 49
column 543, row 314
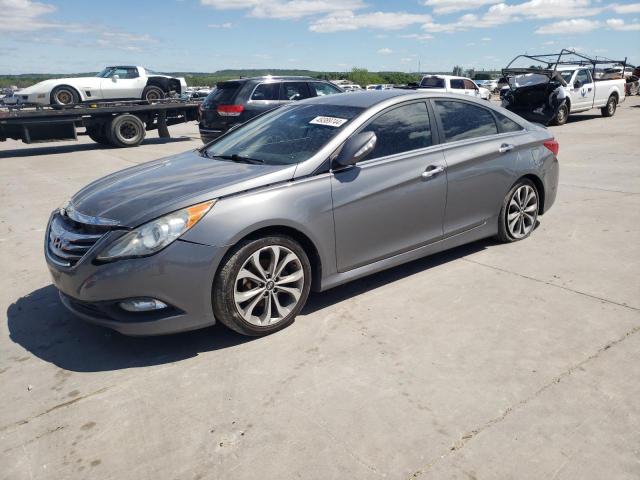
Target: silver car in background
column 305, row 197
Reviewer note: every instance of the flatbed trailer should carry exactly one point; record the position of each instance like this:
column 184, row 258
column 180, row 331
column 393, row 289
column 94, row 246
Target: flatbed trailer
column 118, row 123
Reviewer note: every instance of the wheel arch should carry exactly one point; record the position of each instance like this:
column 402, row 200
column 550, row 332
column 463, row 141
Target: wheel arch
column 161, row 82
column 303, row 239
column 81, row 97
column 539, row 184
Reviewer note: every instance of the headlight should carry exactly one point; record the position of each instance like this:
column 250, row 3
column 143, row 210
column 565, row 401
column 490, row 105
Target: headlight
column 156, row 234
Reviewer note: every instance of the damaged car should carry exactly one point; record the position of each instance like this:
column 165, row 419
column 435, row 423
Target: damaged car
column 554, row 86
column 112, row 83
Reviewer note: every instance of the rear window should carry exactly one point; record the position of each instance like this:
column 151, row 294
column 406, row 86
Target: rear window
column 461, row 120
column 224, row 93
column 508, row 125
column 432, row 82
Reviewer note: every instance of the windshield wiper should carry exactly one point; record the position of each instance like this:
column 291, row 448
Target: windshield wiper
column 239, row 158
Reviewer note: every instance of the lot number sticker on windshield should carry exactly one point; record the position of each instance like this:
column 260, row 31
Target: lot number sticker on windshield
column 329, row 121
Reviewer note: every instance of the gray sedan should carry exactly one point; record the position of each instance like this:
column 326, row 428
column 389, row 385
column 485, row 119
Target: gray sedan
column 306, row 197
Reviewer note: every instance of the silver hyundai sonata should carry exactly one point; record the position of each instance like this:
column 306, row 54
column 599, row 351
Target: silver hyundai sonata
column 308, row 196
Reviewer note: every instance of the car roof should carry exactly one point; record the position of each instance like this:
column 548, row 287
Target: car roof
column 273, row 77
column 369, row 98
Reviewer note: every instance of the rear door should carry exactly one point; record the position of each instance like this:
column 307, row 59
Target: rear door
column 456, row 85
column 320, row 89
column 264, row 97
column 582, row 90
column 294, row 91
column 481, row 150
column 386, row 204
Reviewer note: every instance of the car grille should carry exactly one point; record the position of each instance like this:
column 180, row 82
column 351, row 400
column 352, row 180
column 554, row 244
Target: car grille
column 68, row 241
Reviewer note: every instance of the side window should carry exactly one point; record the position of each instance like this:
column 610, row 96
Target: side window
column 457, row 84
column 461, row 120
column 583, row 77
column 400, row 130
column 293, row 91
column 322, row 89
column 132, row 73
column 469, row 85
column 266, row 91
column 507, row 125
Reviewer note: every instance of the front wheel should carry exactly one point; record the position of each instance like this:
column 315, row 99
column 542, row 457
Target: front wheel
column 64, row 96
column 610, row 108
column 262, row 285
column 519, row 212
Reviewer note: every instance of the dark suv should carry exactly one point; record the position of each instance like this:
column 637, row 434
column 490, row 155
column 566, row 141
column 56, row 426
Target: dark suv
column 235, row 101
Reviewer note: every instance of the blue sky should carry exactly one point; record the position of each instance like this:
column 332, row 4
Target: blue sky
column 336, row 35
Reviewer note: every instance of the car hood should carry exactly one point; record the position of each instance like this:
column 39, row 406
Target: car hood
column 82, row 82
column 139, row 194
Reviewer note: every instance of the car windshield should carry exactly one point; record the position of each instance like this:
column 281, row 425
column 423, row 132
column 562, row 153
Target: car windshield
column 106, row 73
column 285, row 136
column 432, row 82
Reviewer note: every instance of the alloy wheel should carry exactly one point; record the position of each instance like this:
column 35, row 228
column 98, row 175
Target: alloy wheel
column 522, row 212
column 64, row 97
column 269, row 285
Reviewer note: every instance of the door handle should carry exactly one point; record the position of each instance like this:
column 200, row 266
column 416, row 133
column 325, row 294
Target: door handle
column 432, row 171
column 506, row 147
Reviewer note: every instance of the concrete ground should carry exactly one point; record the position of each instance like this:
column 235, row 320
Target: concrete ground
column 490, row 361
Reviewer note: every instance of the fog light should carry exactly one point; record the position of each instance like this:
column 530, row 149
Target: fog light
column 142, row 305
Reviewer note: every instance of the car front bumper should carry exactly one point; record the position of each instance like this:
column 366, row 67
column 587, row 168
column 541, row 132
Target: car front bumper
column 181, row 276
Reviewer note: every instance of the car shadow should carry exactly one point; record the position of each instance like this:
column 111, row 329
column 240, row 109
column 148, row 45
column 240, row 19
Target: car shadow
column 580, row 117
column 318, row 301
column 41, row 324
column 80, row 147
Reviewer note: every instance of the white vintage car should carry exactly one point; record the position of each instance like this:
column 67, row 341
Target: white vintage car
column 112, row 83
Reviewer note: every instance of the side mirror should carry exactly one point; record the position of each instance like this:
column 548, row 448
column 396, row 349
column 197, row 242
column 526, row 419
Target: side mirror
column 577, row 84
column 115, row 78
column 355, row 149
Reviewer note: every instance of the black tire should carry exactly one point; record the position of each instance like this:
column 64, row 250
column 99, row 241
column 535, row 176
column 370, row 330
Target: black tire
column 153, row 93
column 504, row 232
column 64, row 96
column 609, row 109
column 125, row 131
column 222, row 296
column 562, row 115
column 98, row 135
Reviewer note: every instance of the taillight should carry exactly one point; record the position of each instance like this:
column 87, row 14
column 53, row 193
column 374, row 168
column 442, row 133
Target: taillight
column 553, row 146
column 230, row 110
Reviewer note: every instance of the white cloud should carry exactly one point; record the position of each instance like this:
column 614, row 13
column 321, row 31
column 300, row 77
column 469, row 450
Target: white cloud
column 576, row 25
column 348, row 20
column 220, row 25
column 417, row 36
column 541, row 9
column 628, row 8
column 284, row 9
column 25, row 16
column 443, row 7
column 620, row 25
column 132, row 42
column 385, row 51
column 486, row 39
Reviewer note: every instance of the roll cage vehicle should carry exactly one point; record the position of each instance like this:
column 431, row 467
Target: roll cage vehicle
column 112, row 83
column 560, row 84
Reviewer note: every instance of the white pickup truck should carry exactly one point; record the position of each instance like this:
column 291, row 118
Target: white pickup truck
column 552, row 86
column 583, row 93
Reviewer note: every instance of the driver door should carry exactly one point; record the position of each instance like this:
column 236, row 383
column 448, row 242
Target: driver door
column 394, row 200
column 123, row 83
column 582, row 90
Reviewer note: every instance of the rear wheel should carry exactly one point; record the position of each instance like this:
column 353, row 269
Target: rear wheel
column 262, row 285
column 610, row 108
column 98, row 135
column 64, row 96
column 125, row 131
column 519, row 212
column 152, row 93
column 562, row 115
